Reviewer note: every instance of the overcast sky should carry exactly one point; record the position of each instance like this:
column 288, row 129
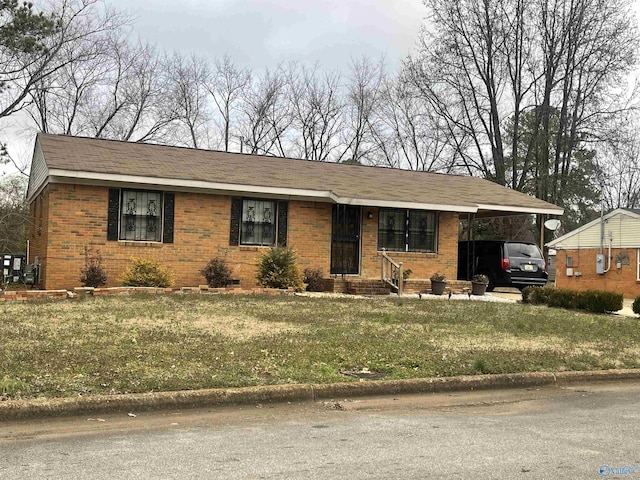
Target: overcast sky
column 264, row 33
column 259, row 33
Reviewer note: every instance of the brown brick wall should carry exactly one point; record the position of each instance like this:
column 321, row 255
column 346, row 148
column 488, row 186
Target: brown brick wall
column 38, row 231
column 622, row 280
column 422, row 265
column 79, row 219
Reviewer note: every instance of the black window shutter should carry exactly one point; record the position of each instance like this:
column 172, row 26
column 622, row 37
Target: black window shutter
column 236, row 216
column 113, row 214
column 283, row 207
column 167, row 224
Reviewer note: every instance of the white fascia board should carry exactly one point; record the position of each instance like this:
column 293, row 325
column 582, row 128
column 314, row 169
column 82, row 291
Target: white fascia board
column 66, row 176
column 367, row 202
column 597, row 247
column 531, row 210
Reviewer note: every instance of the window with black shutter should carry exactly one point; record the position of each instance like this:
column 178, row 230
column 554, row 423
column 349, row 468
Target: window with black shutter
column 140, row 215
column 256, row 221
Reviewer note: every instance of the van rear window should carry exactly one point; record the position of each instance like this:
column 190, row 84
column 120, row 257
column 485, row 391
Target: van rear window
column 523, row 250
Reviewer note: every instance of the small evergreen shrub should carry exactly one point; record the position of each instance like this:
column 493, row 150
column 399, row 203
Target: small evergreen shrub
column 562, row 298
column 526, row 294
column 536, row 295
column 146, row 273
column 314, row 279
column 277, row 269
column 596, row 301
column 636, row 305
column 217, row 273
column 92, row 275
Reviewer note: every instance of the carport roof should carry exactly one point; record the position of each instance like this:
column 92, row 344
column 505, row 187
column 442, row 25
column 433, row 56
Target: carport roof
column 67, row 159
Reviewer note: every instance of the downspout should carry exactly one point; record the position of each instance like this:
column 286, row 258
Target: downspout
column 601, row 225
column 610, row 242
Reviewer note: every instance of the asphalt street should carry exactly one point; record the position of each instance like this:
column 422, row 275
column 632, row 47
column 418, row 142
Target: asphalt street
column 576, row 432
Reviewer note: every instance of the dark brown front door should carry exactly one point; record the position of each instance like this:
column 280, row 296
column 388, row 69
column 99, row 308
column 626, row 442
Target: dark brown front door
column 345, row 240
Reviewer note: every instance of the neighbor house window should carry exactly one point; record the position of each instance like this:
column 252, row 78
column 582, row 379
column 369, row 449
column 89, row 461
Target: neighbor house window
column 638, row 262
column 407, row 230
column 141, row 215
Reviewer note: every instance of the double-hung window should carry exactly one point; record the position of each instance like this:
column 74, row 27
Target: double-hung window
column 140, row 215
column 402, row 230
column 258, row 222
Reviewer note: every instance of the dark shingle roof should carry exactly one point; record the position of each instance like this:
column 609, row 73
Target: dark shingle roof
column 108, row 157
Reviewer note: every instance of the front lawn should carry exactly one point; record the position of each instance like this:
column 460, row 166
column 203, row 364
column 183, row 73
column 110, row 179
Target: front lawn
column 175, row 342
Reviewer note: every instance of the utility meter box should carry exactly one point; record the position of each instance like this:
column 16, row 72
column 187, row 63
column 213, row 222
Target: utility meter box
column 600, row 264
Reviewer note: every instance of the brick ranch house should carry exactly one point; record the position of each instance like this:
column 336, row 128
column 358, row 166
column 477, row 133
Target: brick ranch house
column 617, row 238
column 184, row 206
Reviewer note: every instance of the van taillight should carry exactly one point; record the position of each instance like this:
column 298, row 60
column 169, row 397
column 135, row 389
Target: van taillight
column 506, row 264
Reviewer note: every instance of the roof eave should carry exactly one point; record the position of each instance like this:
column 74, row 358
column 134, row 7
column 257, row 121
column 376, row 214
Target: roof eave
column 69, row 176
column 551, row 210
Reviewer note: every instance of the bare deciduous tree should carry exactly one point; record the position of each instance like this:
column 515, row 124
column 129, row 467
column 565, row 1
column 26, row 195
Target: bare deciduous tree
column 561, row 63
column 14, row 214
column 187, row 79
column 265, row 113
column 362, row 99
column 315, row 98
column 227, row 87
column 406, row 131
column 77, row 22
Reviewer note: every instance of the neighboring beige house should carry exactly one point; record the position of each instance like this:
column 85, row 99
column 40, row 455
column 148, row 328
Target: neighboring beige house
column 601, row 255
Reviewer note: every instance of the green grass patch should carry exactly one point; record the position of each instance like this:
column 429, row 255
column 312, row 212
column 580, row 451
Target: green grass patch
column 111, row 345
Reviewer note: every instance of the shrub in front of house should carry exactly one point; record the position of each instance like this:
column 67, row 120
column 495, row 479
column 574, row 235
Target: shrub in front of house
column 92, row 275
column 314, row 279
column 536, row 295
column 562, row 298
column 146, row 273
column 596, row 301
column 599, row 301
column 217, row 273
column 277, row 269
column 636, row 305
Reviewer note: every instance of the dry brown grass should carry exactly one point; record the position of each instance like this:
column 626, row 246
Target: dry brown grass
column 154, row 343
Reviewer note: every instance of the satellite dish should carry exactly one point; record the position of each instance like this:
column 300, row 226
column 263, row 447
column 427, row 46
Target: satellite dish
column 552, row 224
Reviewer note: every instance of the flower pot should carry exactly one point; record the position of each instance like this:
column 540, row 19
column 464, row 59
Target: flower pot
column 437, row 288
column 478, row 288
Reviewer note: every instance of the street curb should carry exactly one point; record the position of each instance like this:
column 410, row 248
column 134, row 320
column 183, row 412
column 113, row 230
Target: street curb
column 57, row 407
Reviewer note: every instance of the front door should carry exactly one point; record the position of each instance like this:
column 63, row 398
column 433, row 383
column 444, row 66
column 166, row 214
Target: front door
column 345, row 240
